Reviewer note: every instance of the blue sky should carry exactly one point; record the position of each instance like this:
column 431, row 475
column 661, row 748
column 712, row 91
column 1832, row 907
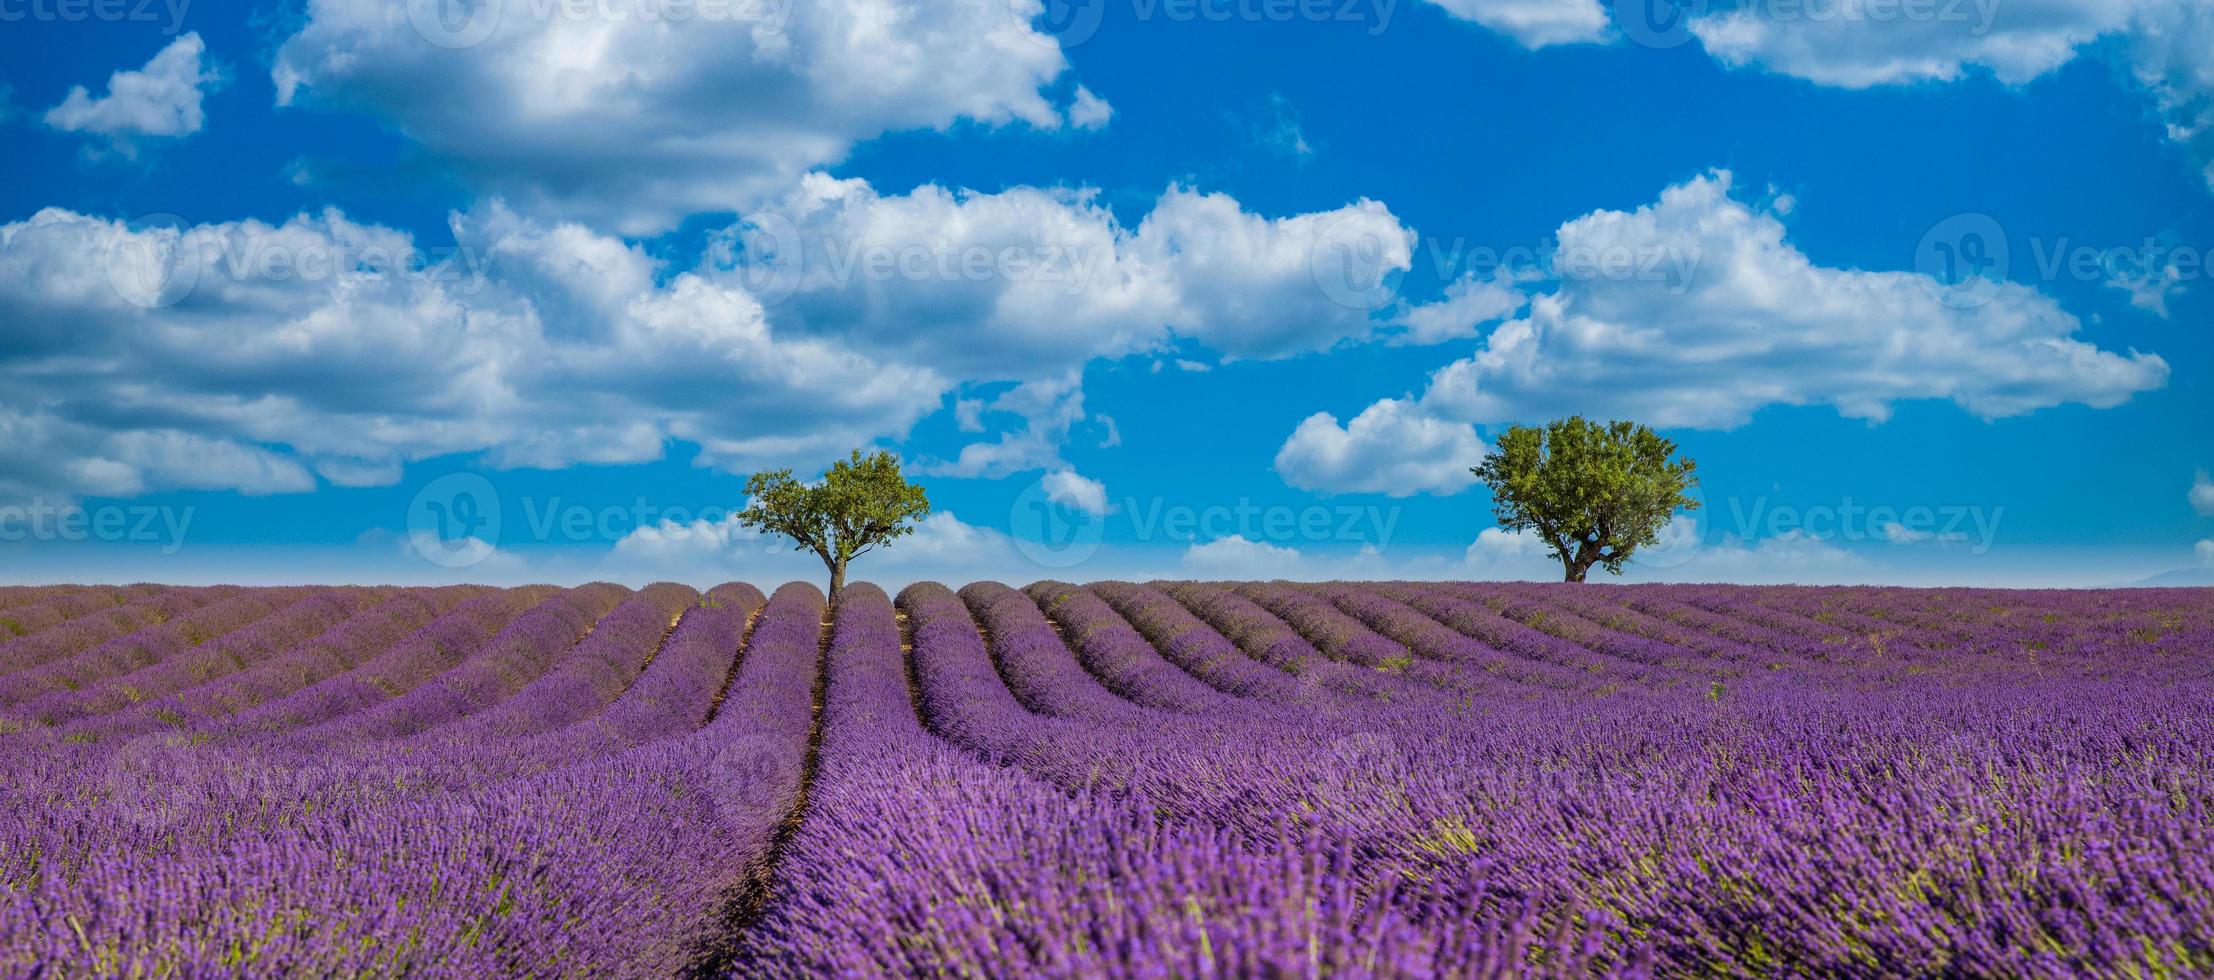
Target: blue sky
column 1138, row 287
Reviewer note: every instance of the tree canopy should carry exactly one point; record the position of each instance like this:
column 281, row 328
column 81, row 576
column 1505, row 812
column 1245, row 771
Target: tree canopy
column 1593, row 493
column 861, row 504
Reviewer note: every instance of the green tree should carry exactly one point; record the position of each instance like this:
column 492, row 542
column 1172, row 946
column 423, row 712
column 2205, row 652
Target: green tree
column 863, row 503
column 1594, row 494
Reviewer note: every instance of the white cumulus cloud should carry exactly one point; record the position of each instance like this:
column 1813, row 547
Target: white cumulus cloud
column 602, row 113
column 1736, row 318
column 1069, row 488
column 942, row 547
column 1498, row 553
column 1708, row 316
column 1389, row 448
column 1861, row 44
column 1027, row 283
column 329, row 347
column 2166, row 46
column 1238, row 558
column 1535, row 23
column 1470, row 303
column 142, row 359
column 159, row 101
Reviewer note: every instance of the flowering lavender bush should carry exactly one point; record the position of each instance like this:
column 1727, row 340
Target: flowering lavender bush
column 1204, row 779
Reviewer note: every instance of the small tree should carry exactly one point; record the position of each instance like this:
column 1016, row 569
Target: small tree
column 861, row 504
column 1595, row 494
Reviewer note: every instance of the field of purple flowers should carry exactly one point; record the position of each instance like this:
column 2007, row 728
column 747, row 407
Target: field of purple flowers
column 1169, row 779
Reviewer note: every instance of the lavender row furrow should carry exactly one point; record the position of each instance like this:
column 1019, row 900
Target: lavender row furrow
column 523, row 651
column 1112, row 651
column 1409, row 780
column 617, row 865
column 1344, row 637
column 1194, row 646
column 378, row 630
column 917, row 859
column 81, row 633
column 1513, row 636
column 147, row 646
column 1268, row 639
column 186, row 668
column 1037, row 664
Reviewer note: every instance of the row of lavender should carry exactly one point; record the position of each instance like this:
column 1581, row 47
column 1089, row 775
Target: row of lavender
column 1524, row 779
column 1188, row 778
column 455, row 782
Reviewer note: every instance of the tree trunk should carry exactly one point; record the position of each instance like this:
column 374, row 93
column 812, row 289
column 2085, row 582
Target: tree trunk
column 837, row 578
column 1575, row 569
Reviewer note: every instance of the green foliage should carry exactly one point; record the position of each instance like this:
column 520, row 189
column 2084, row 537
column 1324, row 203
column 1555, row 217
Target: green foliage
column 1593, row 493
column 861, row 504
column 14, row 628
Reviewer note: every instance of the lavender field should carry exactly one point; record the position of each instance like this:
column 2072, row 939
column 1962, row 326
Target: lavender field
column 1172, row 779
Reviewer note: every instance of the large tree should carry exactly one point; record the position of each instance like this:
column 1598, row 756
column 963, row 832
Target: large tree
column 861, row 504
column 1593, row 493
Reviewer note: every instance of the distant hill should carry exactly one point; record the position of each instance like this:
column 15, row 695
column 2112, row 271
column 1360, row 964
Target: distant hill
column 2179, row 577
